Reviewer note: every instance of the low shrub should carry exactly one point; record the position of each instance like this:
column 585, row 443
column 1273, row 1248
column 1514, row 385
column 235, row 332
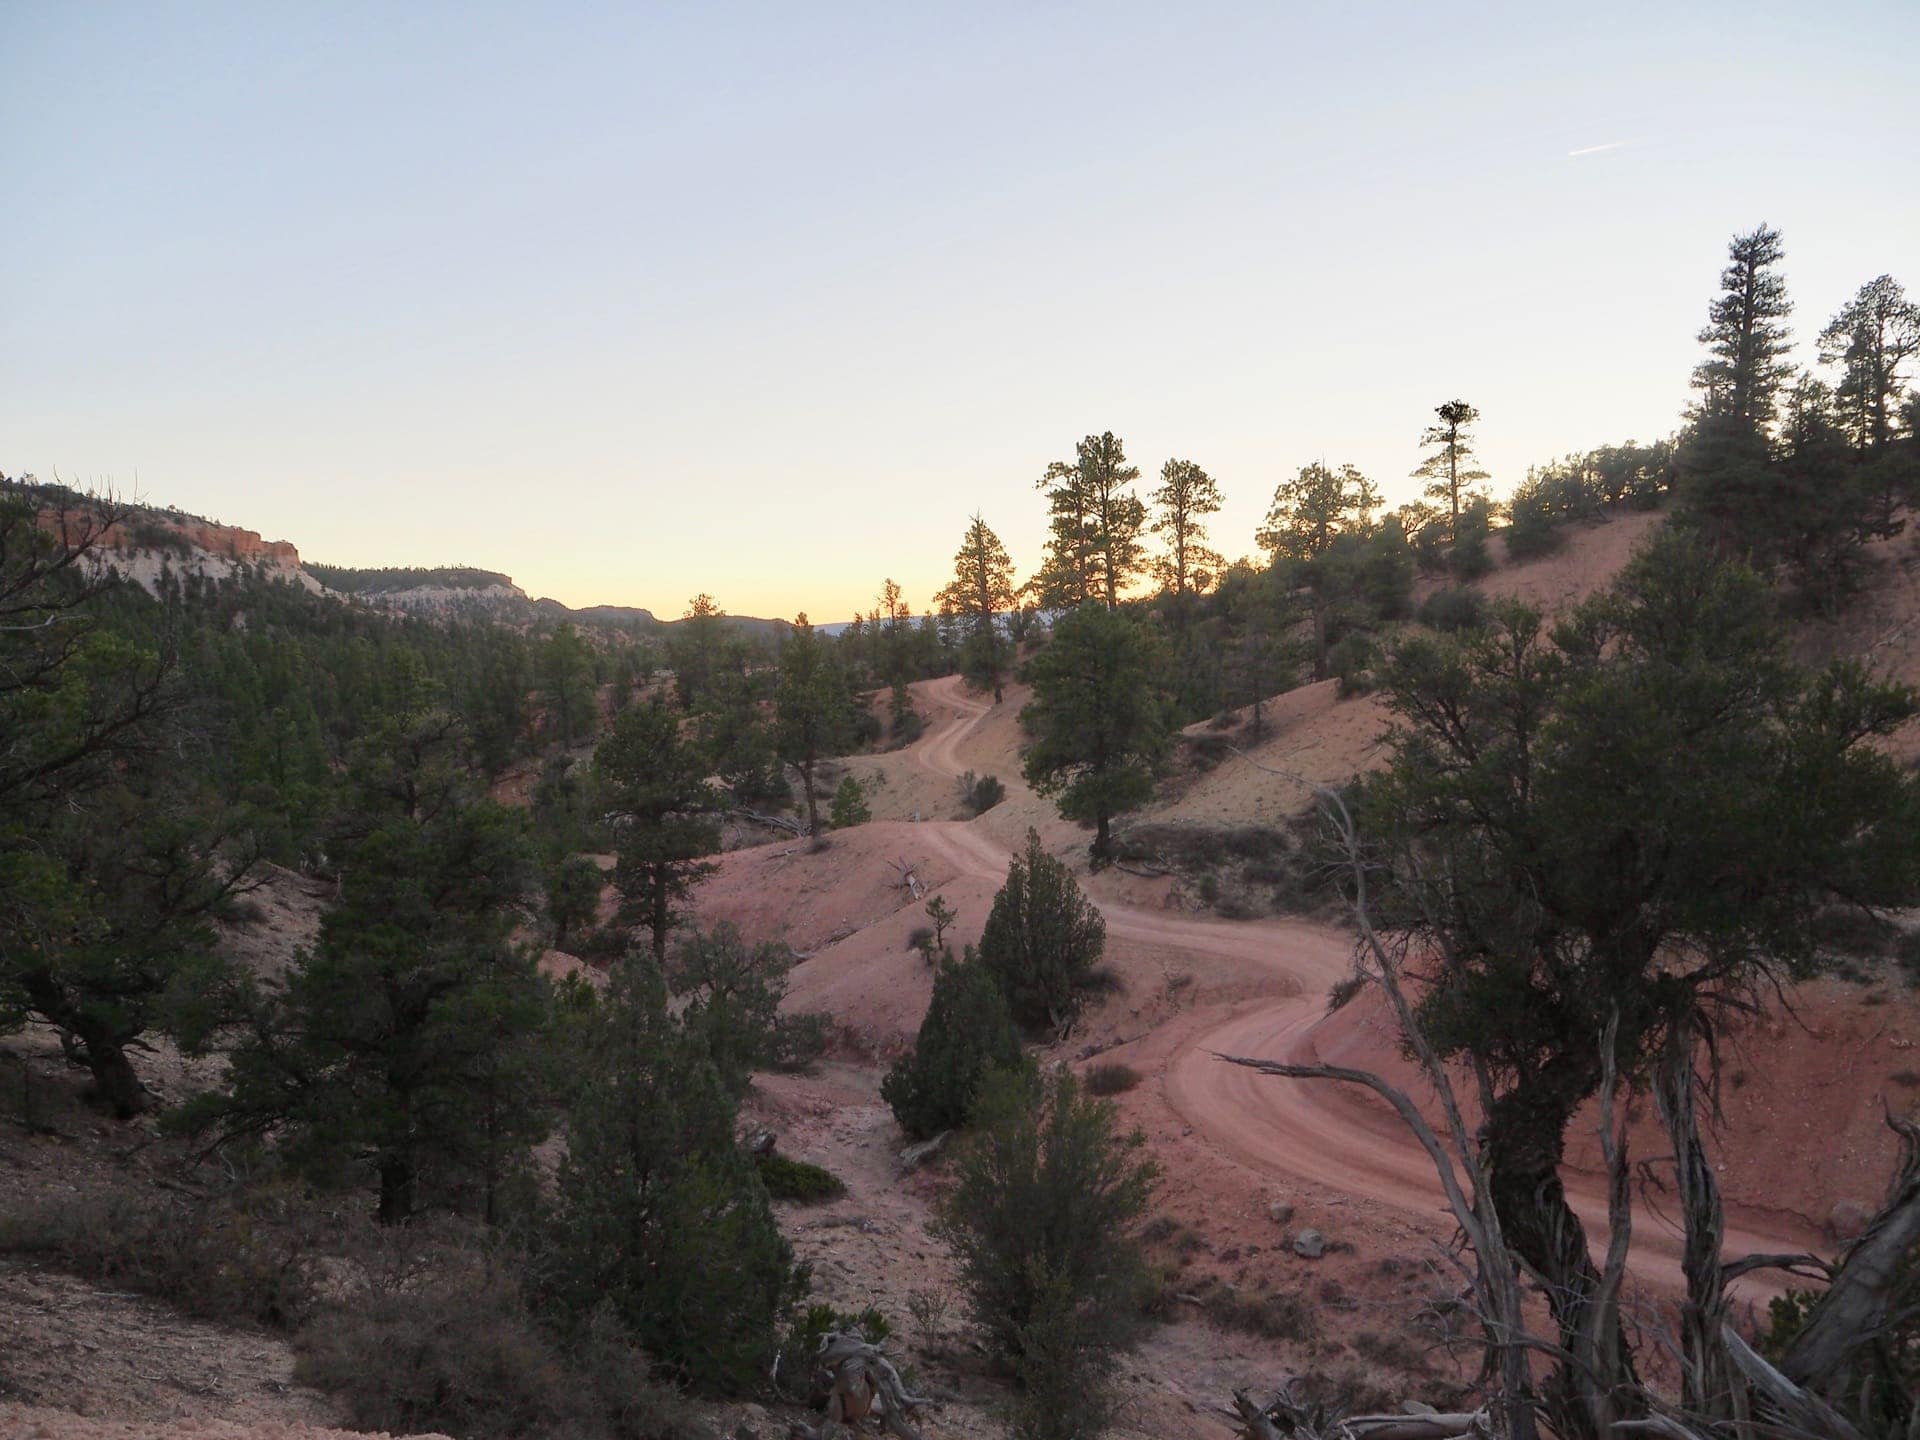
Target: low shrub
column 797, row 1180
column 1269, row 1313
column 793, row 1371
column 462, row 1354
column 849, row 805
column 981, row 792
column 213, row 1260
column 1454, row 608
column 1351, row 660
column 1115, row 1079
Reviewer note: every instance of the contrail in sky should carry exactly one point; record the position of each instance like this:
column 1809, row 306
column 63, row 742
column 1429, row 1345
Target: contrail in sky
column 1596, row 149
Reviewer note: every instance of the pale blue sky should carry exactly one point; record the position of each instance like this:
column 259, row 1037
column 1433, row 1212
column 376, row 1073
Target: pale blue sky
column 765, row 300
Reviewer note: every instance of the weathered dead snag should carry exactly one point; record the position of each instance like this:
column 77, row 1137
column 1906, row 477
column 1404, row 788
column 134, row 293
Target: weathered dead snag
column 1869, row 1292
column 862, row 1383
column 1285, row 1418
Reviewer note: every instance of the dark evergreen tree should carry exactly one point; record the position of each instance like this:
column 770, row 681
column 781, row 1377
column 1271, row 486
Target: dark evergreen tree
column 1871, row 340
column 1627, row 830
column 567, row 687
column 1310, row 514
column 1450, row 472
column 1098, row 717
column 1746, row 336
column 968, row 1031
column 1186, row 497
column 813, row 711
column 981, row 590
column 654, row 790
column 1042, row 941
column 403, row 1045
column 659, row 1215
column 1042, row 1220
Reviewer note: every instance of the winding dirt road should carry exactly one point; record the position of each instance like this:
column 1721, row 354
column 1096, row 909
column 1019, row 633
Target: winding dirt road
column 1321, row 1133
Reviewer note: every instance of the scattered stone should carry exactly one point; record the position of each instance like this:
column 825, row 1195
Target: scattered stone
column 1280, row 1212
column 1309, row 1244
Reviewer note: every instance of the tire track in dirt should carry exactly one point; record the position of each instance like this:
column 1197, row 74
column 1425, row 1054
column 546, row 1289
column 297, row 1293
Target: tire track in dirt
column 1317, row 1132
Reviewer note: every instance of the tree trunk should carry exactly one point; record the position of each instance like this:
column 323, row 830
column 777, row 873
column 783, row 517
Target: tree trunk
column 1867, row 1288
column 1102, row 840
column 813, row 803
column 1707, row 1379
column 114, row 1079
column 396, row 1188
column 662, row 918
column 1526, row 1138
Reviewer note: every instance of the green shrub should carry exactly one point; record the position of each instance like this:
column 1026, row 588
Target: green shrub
column 797, row 1180
column 1468, row 558
column 733, row 993
column 849, row 805
column 968, row 1030
column 983, row 793
column 1042, row 941
column 1106, row 1080
column 214, row 1260
column 1267, row 1313
column 461, row 1353
column 794, row 1371
column 658, row 1212
column 1454, row 608
column 1532, row 529
column 1040, row 1219
column 1351, row 660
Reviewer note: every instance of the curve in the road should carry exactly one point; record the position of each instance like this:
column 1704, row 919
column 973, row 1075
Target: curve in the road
column 1317, row 1132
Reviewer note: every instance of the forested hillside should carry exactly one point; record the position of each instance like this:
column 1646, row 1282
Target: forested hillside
column 544, row 1018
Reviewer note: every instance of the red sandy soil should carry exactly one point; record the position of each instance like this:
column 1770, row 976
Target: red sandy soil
column 1802, row 1132
column 1232, row 1142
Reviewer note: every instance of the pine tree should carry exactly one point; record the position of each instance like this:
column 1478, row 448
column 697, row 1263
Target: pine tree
column 1067, row 576
column 1310, row 514
column 567, row 685
column 813, row 711
column 1871, row 340
column 656, row 796
column 693, row 649
column 403, row 1044
column 659, row 1214
column 1450, row 472
column 1187, row 495
column 1095, row 551
column 1042, row 941
column 982, row 588
column 1099, row 718
column 967, row 1032
column 1747, row 336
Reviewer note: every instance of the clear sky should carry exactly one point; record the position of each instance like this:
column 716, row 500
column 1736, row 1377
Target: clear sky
column 635, row 301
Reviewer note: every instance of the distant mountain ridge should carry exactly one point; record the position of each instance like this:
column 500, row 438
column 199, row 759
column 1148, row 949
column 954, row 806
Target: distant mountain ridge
column 150, row 542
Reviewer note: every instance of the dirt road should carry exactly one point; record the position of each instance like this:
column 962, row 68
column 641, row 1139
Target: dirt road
column 1321, row 1133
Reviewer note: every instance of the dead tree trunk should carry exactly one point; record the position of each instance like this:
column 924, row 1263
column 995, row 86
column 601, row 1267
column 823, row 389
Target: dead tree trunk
column 863, row 1382
column 1709, row 1386
column 1458, row 1161
column 1865, row 1296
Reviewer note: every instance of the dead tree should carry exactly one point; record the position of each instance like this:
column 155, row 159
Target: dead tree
column 1870, row 1294
column 1493, row 1277
column 862, row 1382
column 1286, row 1416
